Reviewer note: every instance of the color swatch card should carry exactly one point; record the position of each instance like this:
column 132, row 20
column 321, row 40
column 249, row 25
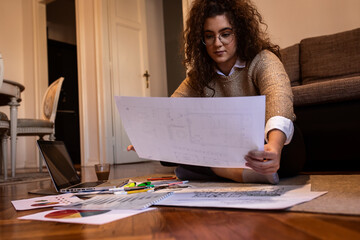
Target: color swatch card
column 96, row 217
column 47, row 201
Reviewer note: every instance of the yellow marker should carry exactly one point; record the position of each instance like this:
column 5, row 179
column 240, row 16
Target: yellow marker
column 141, row 190
column 132, row 184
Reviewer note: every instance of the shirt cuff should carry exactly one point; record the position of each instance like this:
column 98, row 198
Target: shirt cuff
column 281, row 123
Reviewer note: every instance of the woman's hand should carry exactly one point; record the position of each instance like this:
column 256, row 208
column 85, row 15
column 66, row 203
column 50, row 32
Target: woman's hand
column 264, row 162
column 130, row 148
column 267, row 161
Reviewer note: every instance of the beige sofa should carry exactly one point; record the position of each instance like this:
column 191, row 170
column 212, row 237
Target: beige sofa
column 325, row 78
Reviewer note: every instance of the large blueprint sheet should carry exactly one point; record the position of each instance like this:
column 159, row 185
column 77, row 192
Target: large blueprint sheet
column 247, row 197
column 215, row 132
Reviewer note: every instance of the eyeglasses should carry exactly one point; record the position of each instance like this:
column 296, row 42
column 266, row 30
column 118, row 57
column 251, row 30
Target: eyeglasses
column 225, row 38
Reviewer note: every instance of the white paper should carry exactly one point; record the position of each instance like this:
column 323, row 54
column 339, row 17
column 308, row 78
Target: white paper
column 264, row 198
column 96, row 217
column 46, row 201
column 215, row 132
column 119, row 202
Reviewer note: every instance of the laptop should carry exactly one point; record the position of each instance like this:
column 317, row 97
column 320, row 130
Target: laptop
column 62, row 171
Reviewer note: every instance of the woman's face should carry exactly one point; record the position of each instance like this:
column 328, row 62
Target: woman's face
column 224, row 55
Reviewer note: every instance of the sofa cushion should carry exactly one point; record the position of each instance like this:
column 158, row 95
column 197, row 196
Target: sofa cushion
column 291, row 60
column 330, row 56
column 327, row 91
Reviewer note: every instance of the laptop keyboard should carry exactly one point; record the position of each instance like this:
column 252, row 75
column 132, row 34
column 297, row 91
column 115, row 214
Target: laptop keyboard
column 87, row 184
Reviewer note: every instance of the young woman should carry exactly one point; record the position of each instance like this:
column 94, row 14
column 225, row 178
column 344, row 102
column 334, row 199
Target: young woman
column 227, row 54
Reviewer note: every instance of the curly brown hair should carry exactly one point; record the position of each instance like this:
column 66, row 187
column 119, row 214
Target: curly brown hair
column 246, row 22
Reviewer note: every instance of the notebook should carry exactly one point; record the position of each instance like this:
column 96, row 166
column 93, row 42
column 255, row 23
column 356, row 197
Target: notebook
column 62, row 171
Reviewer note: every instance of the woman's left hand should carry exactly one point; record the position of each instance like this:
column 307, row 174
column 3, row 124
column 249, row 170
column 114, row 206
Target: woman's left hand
column 130, row 148
column 267, row 161
column 264, row 162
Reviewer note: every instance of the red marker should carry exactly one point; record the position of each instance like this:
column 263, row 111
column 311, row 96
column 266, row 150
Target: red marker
column 161, row 178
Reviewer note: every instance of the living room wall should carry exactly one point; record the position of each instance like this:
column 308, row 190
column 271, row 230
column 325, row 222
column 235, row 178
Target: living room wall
column 16, row 47
column 290, row 21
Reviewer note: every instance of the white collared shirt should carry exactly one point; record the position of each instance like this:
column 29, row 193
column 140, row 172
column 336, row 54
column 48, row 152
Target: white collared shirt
column 277, row 122
column 238, row 64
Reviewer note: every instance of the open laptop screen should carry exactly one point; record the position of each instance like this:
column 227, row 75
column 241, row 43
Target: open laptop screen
column 59, row 163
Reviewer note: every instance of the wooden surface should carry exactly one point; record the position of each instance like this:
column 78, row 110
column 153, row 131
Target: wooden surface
column 10, row 89
column 174, row 222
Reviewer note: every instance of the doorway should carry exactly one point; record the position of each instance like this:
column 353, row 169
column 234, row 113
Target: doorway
column 138, row 66
column 106, row 78
column 173, row 28
column 62, row 62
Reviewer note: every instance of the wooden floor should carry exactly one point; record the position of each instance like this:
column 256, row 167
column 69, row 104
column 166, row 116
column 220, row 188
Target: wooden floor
column 173, row 222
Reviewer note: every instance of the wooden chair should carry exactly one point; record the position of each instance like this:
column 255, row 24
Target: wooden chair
column 46, row 125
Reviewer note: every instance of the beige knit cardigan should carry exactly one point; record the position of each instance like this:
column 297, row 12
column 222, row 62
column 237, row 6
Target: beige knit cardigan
column 264, row 75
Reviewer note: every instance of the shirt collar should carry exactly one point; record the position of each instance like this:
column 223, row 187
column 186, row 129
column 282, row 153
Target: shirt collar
column 238, row 64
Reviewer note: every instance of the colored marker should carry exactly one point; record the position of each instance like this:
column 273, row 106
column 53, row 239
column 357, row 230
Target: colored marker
column 161, row 178
column 144, row 184
column 134, row 188
column 135, row 191
column 132, row 184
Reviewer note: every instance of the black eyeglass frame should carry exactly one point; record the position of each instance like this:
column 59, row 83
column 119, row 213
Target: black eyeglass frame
column 219, row 37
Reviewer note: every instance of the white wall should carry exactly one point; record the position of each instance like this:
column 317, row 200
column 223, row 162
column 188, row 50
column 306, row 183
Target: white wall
column 90, row 82
column 289, row 21
column 17, row 49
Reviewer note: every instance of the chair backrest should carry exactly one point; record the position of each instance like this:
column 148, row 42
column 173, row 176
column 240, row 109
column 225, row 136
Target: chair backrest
column 51, row 99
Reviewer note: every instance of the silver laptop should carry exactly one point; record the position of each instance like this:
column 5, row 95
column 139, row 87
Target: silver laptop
column 62, row 171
